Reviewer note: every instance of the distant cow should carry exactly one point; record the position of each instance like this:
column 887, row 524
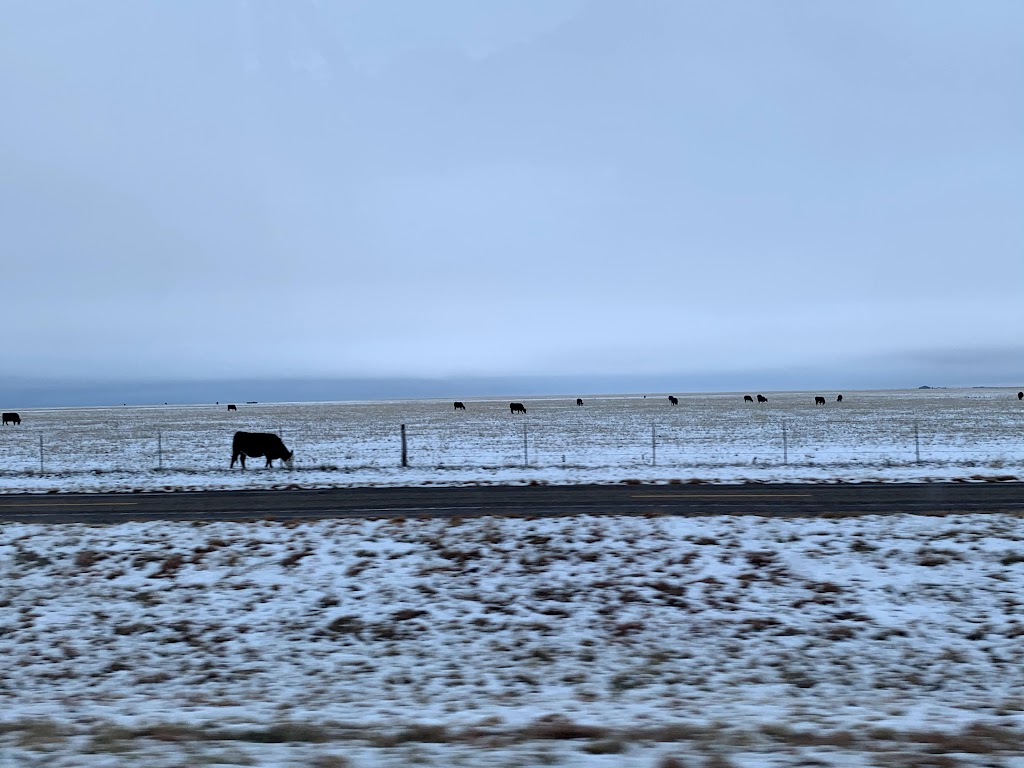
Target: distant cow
column 673, row 399
column 517, row 408
column 819, row 400
column 839, row 398
column 232, row 407
column 579, row 401
column 748, row 399
column 762, row 399
column 1020, row 395
column 459, row 406
column 254, row 444
column 12, row 418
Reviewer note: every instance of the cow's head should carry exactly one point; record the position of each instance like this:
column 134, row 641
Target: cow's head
column 289, row 459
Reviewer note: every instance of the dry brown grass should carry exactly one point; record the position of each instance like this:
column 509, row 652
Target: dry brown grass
column 85, row 558
column 605, row 747
column 169, row 567
column 330, row 761
column 423, row 734
column 295, row 557
column 560, row 728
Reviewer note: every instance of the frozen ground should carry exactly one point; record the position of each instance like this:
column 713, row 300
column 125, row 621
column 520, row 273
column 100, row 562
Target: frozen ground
column 871, row 436
column 588, row 641
column 592, row 641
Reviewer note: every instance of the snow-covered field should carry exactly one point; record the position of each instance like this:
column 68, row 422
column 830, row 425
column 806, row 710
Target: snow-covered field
column 652, row 642
column 871, row 436
column 635, row 642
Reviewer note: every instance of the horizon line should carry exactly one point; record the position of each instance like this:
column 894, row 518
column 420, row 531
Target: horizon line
column 487, row 397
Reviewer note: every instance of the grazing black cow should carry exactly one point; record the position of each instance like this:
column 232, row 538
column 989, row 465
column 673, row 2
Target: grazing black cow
column 748, row 399
column 254, row 444
column 1020, row 395
column 517, row 408
column 762, row 399
column 673, row 399
column 819, row 400
column 839, row 398
column 12, row 418
column 579, row 401
column 460, row 406
column 232, row 407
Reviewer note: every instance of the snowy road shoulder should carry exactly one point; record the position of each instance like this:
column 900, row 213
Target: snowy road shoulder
column 753, row 630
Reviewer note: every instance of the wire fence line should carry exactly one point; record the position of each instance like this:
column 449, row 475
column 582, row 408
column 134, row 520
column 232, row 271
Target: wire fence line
column 339, row 447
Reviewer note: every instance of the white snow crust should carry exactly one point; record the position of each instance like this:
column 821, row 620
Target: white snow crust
column 593, row 640
column 917, row 435
column 635, row 642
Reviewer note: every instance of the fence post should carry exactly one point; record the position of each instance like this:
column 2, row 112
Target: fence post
column 405, row 451
column 654, row 448
column 917, row 443
column 160, row 449
column 40, row 454
column 785, row 445
column 526, row 450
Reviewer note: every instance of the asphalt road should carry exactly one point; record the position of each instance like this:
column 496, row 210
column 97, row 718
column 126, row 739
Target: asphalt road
column 778, row 500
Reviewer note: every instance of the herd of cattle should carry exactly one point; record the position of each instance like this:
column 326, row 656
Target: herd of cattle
column 270, row 446
column 818, row 400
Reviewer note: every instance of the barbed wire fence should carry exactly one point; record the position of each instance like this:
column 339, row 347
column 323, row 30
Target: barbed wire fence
column 336, row 446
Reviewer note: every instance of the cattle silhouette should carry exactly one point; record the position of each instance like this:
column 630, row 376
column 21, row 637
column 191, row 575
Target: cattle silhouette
column 255, row 444
column 762, row 399
column 673, row 399
column 11, row 418
column 459, row 405
column 839, row 398
column 748, row 399
column 819, row 400
column 1020, row 395
column 517, row 408
column 232, row 407
column 579, row 401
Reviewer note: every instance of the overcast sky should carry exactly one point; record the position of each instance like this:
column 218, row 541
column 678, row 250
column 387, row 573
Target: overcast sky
column 727, row 195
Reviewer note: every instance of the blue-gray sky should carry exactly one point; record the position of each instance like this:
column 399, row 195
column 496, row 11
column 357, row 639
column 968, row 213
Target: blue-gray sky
column 804, row 193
